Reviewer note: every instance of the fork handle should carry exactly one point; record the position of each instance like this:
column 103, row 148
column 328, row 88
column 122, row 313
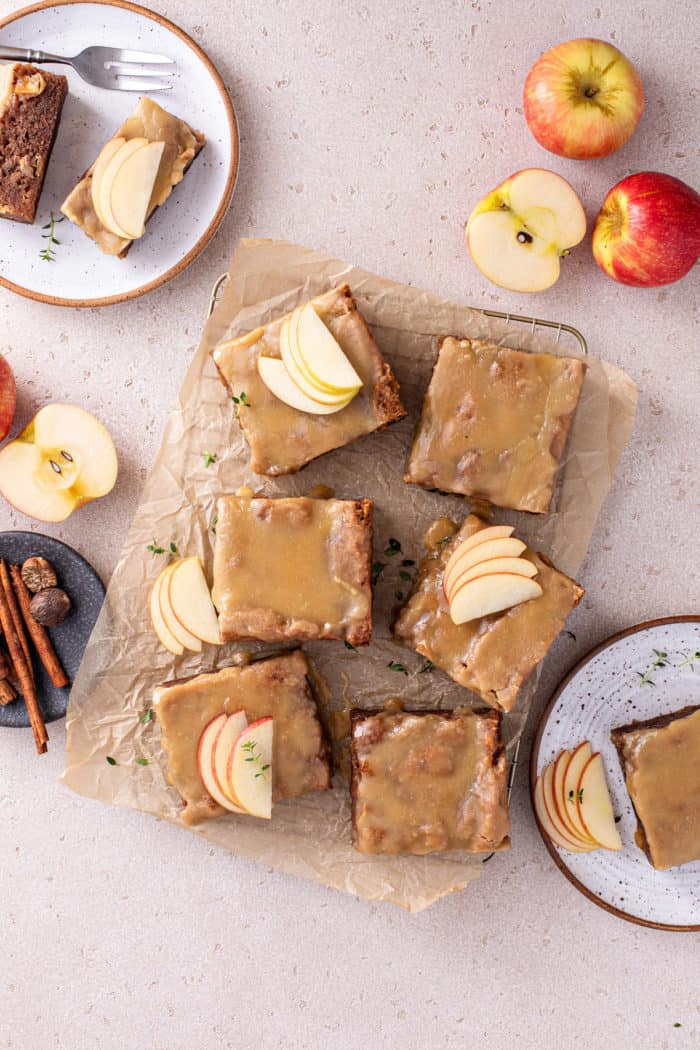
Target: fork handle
column 21, row 54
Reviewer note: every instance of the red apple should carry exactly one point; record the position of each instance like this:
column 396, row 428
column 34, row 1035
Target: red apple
column 583, row 99
column 8, row 398
column 648, row 231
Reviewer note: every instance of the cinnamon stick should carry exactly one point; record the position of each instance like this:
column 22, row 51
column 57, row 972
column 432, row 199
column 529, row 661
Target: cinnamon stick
column 7, row 693
column 17, row 655
column 42, row 642
column 16, row 617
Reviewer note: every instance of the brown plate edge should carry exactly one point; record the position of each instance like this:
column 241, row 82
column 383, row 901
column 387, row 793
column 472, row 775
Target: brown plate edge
column 534, row 755
column 213, row 226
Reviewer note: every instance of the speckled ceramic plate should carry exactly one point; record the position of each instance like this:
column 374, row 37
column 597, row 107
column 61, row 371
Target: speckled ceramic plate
column 80, row 275
column 86, row 590
column 648, row 670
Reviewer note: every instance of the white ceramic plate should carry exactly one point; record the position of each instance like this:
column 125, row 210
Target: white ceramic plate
column 615, row 684
column 81, row 275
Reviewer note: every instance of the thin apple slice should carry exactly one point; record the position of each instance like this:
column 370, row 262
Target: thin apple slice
column 250, row 769
column 109, row 150
column 104, row 189
column 503, row 548
column 594, row 806
column 278, row 381
column 321, row 354
column 547, row 824
column 564, row 809
column 159, row 625
column 205, row 762
column 493, row 532
column 569, row 785
column 229, row 732
column 132, row 188
column 551, row 800
column 491, row 594
column 294, row 351
column 180, row 632
column 518, row 566
column 190, row 600
column 301, row 378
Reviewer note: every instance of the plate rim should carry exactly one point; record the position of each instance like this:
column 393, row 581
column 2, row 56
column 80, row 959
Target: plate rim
column 234, row 162
column 81, row 557
column 607, row 643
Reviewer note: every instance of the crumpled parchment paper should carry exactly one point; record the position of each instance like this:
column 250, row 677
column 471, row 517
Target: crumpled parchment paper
column 310, row 836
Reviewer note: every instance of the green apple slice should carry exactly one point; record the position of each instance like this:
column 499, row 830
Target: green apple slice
column 300, row 377
column 132, row 188
column 279, row 382
column 292, row 337
column 108, row 151
column 104, row 190
column 321, row 355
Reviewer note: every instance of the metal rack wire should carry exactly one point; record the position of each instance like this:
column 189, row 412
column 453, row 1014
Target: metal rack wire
column 533, row 323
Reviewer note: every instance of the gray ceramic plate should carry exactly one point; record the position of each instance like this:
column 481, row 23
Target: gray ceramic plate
column 86, row 590
column 648, row 670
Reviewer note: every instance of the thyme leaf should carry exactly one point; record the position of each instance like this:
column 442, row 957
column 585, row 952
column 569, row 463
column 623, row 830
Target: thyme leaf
column 141, row 761
column 394, row 666
column 209, row 458
column 427, row 667
column 111, row 761
column 393, row 548
column 254, row 755
column 573, row 796
column 48, row 254
column 406, row 576
column 378, row 568
column 146, row 717
column 214, row 523
column 351, row 647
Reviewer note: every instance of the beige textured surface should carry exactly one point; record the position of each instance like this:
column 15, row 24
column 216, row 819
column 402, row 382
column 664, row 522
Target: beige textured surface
column 369, row 133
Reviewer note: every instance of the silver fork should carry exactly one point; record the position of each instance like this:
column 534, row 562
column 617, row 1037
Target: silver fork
column 106, row 67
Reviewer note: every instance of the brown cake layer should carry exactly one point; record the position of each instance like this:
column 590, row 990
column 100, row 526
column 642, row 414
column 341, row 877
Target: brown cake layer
column 31, row 101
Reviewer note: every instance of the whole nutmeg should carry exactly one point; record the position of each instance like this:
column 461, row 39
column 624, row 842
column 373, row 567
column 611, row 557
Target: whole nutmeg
column 37, row 574
column 50, row 606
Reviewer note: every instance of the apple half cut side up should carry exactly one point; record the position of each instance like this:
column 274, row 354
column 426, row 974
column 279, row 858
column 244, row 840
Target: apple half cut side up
column 491, row 594
column 206, row 765
column 165, row 636
column 594, row 806
column 518, row 233
column 62, row 460
column 190, row 601
column 249, row 772
column 280, row 383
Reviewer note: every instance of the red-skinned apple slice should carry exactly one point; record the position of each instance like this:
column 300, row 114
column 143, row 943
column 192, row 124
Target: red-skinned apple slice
column 229, row 732
column 548, row 825
column 190, row 600
column 249, row 773
column 503, row 548
column 8, row 397
column 180, row 632
column 491, row 594
column 556, row 812
column 166, row 637
column 518, row 233
column 62, row 460
column 493, row 532
column 205, row 762
column 594, row 806
column 564, row 810
column 568, row 785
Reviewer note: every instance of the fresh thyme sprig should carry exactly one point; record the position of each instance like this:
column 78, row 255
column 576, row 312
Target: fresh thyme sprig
column 252, row 756
column 214, row 523
column 689, row 661
column 48, row 253
column 155, row 549
column 660, row 660
column 209, row 458
column 240, row 401
column 574, row 795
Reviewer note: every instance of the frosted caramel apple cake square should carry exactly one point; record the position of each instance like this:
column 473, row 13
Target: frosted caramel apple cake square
column 277, row 687
column 309, row 382
column 494, row 423
column 428, row 782
column 492, row 654
column 293, row 569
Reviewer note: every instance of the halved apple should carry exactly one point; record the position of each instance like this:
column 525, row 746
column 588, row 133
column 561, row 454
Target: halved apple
column 568, row 787
column 548, row 825
column 178, row 630
column 62, row 460
column 493, row 532
column 132, row 188
column 491, row 594
column 205, row 761
column 320, row 353
column 302, row 379
column 518, row 233
column 249, row 773
column 104, row 187
column 229, row 732
column 190, row 600
column 166, row 637
column 517, row 566
column 594, row 807
column 278, row 381
column 503, row 548
column 109, row 150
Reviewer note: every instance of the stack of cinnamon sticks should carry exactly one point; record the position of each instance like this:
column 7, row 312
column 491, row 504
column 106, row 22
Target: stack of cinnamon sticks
column 18, row 627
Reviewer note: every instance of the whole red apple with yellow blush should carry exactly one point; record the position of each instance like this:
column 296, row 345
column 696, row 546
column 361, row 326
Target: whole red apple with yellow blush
column 583, row 99
column 8, row 398
column 648, row 230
